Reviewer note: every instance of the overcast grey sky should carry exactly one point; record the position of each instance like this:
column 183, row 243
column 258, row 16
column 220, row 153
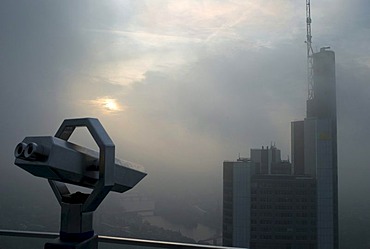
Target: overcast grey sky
column 182, row 85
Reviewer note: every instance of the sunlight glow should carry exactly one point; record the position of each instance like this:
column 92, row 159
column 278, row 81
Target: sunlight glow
column 110, row 105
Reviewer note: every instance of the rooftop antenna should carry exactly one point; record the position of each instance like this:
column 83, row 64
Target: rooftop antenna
column 309, row 51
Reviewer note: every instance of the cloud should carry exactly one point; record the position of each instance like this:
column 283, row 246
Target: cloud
column 167, row 35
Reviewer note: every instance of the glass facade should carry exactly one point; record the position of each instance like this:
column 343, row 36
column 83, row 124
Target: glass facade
column 283, row 212
column 236, row 203
column 325, row 185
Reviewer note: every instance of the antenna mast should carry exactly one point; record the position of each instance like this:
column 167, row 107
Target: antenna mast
column 309, row 51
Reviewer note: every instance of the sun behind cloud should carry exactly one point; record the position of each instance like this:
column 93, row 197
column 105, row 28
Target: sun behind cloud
column 111, row 105
column 108, row 104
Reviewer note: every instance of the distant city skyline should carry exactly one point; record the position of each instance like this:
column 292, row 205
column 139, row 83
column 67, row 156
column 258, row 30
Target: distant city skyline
column 269, row 203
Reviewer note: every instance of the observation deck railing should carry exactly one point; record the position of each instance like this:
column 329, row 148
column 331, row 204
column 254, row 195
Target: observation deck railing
column 10, row 239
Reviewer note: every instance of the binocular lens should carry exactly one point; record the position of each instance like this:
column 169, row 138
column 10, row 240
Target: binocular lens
column 19, row 149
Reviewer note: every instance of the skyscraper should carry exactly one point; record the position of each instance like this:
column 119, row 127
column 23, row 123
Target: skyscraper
column 268, row 209
column 291, row 205
column 237, row 195
column 320, row 147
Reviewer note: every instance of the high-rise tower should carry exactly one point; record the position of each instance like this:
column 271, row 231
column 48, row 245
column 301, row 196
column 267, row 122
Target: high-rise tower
column 320, row 147
column 314, row 147
column 314, row 140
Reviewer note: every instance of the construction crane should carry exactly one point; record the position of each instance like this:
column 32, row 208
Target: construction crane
column 309, row 51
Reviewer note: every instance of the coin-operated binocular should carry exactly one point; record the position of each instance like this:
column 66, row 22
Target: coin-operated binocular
column 61, row 162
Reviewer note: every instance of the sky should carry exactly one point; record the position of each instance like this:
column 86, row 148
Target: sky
column 182, row 85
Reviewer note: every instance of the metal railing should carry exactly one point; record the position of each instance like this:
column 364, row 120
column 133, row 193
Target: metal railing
column 104, row 241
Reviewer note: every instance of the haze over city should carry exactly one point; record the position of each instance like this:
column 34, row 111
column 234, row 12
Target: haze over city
column 182, row 86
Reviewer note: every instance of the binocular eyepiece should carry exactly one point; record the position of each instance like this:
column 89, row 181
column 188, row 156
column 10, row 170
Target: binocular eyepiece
column 31, row 151
column 56, row 159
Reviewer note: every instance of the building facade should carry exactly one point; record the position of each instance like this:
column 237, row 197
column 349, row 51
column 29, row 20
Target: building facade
column 283, row 212
column 236, row 200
